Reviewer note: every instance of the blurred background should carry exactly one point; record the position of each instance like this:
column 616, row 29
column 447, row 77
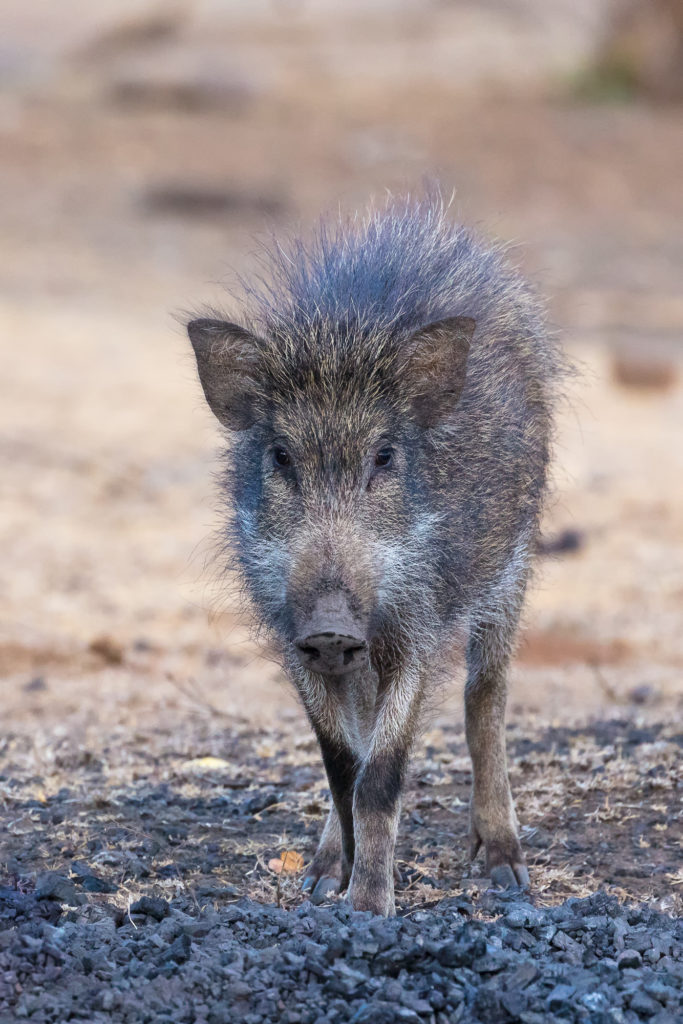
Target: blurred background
column 145, row 145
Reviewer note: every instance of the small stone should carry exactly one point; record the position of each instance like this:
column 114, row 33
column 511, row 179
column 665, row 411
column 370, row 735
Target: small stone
column 179, row 951
column 523, row 915
column 490, row 963
column 92, row 883
column 152, row 906
column 260, row 802
column 594, row 1001
column 658, row 990
column 52, row 886
column 218, row 891
column 514, row 1002
column 458, row 954
column 106, row 1000
column 629, row 958
column 644, row 1005
column 559, row 998
column 525, row 974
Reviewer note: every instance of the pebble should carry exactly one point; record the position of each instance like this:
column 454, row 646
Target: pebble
column 52, row 886
column 644, row 1005
column 629, row 958
column 559, row 998
column 152, row 906
column 523, row 915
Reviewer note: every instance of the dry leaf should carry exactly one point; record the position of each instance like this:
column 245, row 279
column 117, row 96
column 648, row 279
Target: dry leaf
column 289, row 863
column 206, row 764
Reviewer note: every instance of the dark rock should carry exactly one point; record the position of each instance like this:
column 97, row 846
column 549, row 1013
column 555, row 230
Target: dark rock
column 179, row 951
column 658, row 990
column 595, row 1001
column 629, row 958
column 523, row 975
column 152, row 906
column 260, row 802
column 523, row 915
column 53, row 886
column 458, row 954
column 490, row 963
column 560, row 998
column 93, row 883
column 218, row 891
column 644, row 1005
column 514, row 1002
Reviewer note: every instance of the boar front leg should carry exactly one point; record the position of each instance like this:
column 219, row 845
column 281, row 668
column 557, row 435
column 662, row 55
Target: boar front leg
column 492, row 816
column 377, row 794
column 333, row 712
column 330, row 869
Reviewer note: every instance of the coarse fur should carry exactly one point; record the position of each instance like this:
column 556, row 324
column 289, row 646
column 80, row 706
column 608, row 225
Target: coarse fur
column 398, row 333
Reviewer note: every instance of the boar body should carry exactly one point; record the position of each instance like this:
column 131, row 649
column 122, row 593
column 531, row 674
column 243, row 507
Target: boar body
column 389, row 406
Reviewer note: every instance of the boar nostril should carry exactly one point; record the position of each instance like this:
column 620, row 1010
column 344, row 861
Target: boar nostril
column 351, row 652
column 310, row 651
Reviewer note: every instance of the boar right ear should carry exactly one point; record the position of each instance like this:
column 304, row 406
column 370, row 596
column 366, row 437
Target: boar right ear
column 437, row 367
column 227, row 361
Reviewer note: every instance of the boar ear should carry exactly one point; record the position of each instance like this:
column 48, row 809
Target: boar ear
column 227, row 360
column 436, row 367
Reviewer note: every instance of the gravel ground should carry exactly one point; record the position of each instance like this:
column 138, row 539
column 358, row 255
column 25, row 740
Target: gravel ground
column 151, row 892
column 502, row 960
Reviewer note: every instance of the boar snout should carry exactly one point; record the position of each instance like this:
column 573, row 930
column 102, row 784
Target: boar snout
column 331, row 641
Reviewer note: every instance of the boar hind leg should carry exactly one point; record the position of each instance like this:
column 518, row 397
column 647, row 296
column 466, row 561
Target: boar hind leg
column 493, row 823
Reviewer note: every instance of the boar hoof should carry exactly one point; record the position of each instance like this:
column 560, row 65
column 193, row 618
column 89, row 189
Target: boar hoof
column 505, row 865
column 507, row 877
column 320, row 888
column 325, row 876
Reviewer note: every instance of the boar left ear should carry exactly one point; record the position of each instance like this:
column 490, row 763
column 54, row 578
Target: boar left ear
column 436, row 367
column 227, row 361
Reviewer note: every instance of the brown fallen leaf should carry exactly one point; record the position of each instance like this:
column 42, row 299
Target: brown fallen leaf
column 289, row 863
column 206, row 764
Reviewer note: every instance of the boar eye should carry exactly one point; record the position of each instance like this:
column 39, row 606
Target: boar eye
column 384, row 457
column 281, row 457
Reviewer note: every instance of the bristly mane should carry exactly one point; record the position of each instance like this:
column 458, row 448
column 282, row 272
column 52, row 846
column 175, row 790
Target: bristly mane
column 390, row 272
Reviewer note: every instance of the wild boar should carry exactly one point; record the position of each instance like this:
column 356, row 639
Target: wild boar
column 388, row 400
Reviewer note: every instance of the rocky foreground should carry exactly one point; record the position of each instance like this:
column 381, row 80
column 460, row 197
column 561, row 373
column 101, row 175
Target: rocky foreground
column 64, row 957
